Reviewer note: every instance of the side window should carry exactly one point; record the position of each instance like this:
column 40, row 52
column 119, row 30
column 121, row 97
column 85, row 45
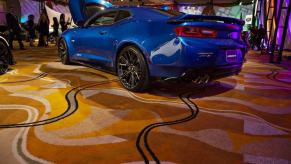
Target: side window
column 92, row 9
column 107, row 18
column 122, row 14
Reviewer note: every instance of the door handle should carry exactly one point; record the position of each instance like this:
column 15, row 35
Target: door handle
column 103, row 32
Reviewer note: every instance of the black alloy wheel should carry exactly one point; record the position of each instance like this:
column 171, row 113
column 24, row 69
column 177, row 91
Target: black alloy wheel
column 4, row 56
column 132, row 69
column 63, row 52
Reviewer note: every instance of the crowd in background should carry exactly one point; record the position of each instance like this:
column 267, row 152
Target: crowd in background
column 257, row 37
column 32, row 29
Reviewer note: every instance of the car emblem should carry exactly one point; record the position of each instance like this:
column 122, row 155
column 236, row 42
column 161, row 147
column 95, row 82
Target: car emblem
column 229, row 35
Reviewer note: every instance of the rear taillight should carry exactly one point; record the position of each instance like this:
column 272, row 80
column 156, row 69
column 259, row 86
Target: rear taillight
column 197, row 32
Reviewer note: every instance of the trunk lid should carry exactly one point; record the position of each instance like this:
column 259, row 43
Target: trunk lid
column 81, row 10
column 204, row 18
column 225, row 28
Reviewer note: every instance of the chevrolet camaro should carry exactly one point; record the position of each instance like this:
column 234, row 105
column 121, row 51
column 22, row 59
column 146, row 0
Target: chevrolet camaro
column 140, row 44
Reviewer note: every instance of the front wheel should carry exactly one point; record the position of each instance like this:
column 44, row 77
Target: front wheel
column 4, row 54
column 63, row 52
column 132, row 69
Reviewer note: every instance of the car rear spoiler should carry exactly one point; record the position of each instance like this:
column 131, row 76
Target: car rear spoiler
column 204, row 18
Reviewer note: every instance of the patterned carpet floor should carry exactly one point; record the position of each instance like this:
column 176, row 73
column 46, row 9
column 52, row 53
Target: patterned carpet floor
column 52, row 113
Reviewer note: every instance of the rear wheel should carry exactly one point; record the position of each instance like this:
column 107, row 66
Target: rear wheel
column 4, row 54
column 63, row 52
column 132, row 69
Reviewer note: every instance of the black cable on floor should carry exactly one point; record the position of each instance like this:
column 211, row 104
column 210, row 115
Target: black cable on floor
column 40, row 76
column 194, row 110
column 64, row 115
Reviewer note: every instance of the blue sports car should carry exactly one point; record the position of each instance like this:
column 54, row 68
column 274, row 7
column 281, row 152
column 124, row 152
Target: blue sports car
column 140, row 44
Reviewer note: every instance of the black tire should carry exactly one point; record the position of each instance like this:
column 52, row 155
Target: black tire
column 132, row 69
column 63, row 52
column 4, row 57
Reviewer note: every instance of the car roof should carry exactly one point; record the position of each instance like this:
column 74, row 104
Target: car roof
column 132, row 7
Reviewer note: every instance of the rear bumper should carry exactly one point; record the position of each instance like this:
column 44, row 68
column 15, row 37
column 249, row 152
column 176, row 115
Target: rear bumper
column 213, row 72
column 179, row 58
column 190, row 73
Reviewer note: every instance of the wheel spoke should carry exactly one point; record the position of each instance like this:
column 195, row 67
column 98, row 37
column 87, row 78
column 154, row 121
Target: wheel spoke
column 137, row 75
column 130, row 57
column 62, row 48
column 3, row 50
column 124, row 65
column 134, row 60
column 123, row 61
column 124, row 74
column 137, row 62
column 126, row 57
column 132, row 80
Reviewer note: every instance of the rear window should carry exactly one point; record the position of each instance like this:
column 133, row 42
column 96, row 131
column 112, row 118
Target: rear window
column 170, row 13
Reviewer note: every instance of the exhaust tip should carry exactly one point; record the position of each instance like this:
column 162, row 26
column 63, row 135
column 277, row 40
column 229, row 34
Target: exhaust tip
column 203, row 79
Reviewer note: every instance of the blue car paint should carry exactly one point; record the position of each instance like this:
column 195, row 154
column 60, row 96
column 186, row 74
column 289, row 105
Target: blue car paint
column 166, row 54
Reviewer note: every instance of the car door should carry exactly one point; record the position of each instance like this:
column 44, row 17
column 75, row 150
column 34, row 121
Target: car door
column 94, row 42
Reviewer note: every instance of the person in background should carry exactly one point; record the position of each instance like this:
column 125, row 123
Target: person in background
column 246, row 38
column 64, row 24
column 56, row 29
column 253, row 36
column 43, row 26
column 31, row 29
column 260, row 36
column 14, row 28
